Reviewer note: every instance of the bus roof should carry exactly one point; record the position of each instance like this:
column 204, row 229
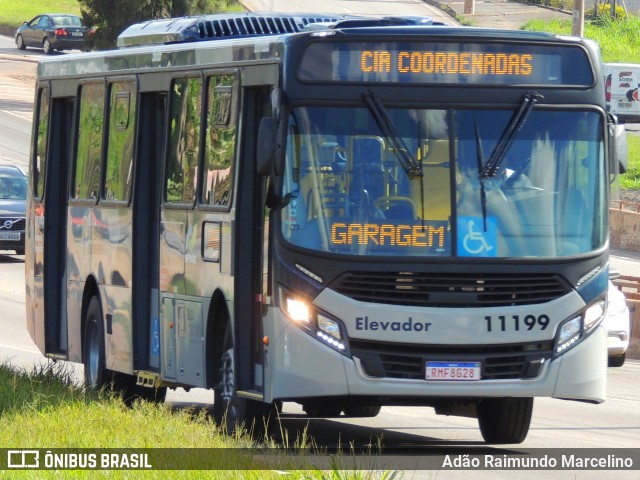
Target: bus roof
column 143, row 40
column 240, row 25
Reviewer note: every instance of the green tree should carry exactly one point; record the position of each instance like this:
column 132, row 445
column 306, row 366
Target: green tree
column 110, row 17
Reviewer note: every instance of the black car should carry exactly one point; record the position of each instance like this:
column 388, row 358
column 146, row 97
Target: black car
column 13, row 208
column 53, row 31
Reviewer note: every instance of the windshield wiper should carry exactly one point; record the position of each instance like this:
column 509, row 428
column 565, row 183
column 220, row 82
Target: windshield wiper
column 508, row 135
column 481, row 178
column 384, row 121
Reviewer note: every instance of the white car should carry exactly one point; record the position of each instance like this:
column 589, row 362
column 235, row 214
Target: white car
column 618, row 325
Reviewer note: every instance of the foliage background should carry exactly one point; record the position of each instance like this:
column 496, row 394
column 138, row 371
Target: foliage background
column 110, row 17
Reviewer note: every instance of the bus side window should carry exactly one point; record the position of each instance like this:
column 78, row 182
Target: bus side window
column 220, row 140
column 184, row 140
column 40, row 157
column 89, row 151
column 122, row 108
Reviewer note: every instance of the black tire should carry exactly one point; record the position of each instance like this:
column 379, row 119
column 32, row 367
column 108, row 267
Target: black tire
column 504, row 420
column 617, row 361
column 233, row 413
column 46, row 46
column 20, row 43
column 362, row 411
column 93, row 357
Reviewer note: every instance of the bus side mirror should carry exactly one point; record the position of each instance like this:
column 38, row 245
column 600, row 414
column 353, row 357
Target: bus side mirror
column 618, row 154
column 266, row 146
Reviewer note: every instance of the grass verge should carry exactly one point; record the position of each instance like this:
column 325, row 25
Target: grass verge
column 44, row 409
column 16, row 12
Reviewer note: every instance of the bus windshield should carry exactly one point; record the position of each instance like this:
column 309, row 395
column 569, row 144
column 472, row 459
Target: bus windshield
column 415, row 182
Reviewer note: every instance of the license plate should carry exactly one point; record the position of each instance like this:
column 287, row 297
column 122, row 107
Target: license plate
column 452, row 371
column 10, row 236
column 624, row 104
column 76, row 34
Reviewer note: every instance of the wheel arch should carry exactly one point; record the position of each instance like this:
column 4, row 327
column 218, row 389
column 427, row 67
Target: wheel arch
column 218, row 318
column 90, row 290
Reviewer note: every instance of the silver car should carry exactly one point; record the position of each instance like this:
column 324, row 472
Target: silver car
column 13, row 207
column 618, row 325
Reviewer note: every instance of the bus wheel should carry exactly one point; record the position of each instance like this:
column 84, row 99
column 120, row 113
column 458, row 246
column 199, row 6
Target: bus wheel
column 362, row 410
column 504, row 420
column 93, row 346
column 232, row 412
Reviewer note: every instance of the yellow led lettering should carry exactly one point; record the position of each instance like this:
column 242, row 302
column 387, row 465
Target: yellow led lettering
column 366, row 61
column 416, row 62
column 403, row 239
column 387, row 232
column 418, row 236
column 428, row 62
column 489, row 64
column 374, row 61
column 450, row 63
column 477, row 64
column 441, row 62
column 525, row 65
column 355, row 230
column 501, row 64
column 439, row 232
column 403, row 62
column 338, row 234
column 464, row 63
column 371, row 233
column 514, row 64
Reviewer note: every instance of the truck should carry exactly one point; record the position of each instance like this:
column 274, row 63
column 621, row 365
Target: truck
column 621, row 90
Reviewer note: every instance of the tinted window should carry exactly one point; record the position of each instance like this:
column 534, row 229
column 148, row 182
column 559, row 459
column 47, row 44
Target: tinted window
column 122, row 108
column 40, row 157
column 91, row 123
column 184, row 140
column 220, row 141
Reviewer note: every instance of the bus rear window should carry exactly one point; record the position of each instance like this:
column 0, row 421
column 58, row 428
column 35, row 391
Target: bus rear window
column 446, row 63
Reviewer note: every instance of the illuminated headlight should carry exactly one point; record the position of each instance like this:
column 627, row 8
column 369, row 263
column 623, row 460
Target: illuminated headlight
column 297, row 310
column 573, row 330
column 322, row 326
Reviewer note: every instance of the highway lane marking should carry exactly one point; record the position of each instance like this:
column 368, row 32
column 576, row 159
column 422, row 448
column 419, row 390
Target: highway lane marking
column 20, row 349
column 23, row 116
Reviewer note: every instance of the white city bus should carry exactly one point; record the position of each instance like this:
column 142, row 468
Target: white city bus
column 336, row 211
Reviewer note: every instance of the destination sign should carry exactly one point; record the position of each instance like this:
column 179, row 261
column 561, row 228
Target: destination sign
column 447, row 63
column 431, row 236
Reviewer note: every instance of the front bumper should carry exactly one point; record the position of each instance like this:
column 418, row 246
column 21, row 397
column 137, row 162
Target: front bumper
column 13, row 244
column 301, row 367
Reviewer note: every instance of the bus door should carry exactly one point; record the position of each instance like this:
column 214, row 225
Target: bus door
column 51, row 194
column 146, row 230
column 252, row 234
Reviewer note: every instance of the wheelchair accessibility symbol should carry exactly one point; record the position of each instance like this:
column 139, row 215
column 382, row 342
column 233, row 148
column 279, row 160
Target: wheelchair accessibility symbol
column 473, row 240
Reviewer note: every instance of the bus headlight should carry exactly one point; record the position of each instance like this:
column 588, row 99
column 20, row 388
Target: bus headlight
column 320, row 325
column 329, row 326
column 573, row 330
column 297, row 310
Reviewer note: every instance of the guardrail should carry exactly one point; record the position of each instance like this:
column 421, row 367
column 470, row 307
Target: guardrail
column 630, row 286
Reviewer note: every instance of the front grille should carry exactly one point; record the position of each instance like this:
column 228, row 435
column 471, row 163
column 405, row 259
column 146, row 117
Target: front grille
column 12, row 224
column 466, row 290
column 518, row 361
